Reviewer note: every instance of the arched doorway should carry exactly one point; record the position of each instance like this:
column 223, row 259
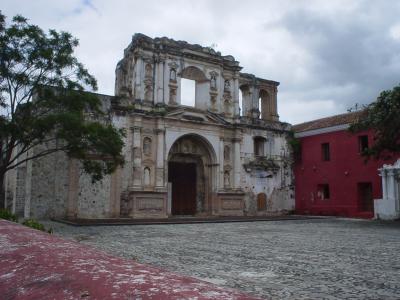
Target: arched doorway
column 190, row 173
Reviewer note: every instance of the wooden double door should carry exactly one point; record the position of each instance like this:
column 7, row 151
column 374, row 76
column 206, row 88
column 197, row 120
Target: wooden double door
column 183, row 180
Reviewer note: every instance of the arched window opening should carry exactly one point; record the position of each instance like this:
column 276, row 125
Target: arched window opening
column 195, row 88
column 244, row 100
column 265, row 105
column 240, row 102
column 259, row 146
column 188, row 92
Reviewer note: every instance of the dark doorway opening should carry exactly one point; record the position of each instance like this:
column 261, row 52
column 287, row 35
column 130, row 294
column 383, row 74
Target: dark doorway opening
column 261, row 201
column 183, row 184
column 366, row 201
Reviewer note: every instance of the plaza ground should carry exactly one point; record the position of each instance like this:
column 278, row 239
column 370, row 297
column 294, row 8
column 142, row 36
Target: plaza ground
column 37, row 265
column 292, row 259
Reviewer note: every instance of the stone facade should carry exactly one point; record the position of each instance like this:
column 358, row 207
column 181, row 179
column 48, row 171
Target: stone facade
column 208, row 160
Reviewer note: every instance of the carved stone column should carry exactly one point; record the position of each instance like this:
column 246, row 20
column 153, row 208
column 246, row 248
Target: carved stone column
column 391, row 184
column 236, row 163
column 158, row 80
column 137, row 156
column 160, row 165
column 255, row 109
column 139, row 77
column 221, row 164
column 274, row 100
column 384, row 183
column 236, row 96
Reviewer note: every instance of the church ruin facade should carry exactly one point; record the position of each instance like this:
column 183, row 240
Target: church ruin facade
column 217, row 158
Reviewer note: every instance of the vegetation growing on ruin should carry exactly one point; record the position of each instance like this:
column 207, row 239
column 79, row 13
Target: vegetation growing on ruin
column 382, row 116
column 36, row 225
column 294, row 144
column 7, row 215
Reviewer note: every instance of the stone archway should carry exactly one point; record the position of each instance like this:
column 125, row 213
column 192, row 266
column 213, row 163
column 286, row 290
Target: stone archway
column 191, row 175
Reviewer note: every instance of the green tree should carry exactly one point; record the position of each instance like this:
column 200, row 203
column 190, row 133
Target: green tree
column 43, row 102
column 383, row 117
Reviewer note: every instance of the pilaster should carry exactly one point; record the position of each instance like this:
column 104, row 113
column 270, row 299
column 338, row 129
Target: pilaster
column 137, row 156
column 236, row 165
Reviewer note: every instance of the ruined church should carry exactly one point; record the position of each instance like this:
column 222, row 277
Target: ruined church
column 225, row 156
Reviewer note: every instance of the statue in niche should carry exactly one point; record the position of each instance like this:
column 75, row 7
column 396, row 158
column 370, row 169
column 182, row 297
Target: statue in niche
column 227, row 153
column 146, row 176
column 148, row 70
column 172, row 75
column 227, row 86
column 213, row 82
column 147, row 146
column 227, row 179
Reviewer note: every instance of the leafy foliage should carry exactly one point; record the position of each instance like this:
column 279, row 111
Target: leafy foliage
column 383, row 117
column 7, row 215
column 36, row 225
column 43, row 102
column 295, row 145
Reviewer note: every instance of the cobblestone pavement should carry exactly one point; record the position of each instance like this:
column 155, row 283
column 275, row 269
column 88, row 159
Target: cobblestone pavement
column 304, row 259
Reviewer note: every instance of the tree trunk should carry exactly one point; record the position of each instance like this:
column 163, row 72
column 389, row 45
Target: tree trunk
column 2, row 190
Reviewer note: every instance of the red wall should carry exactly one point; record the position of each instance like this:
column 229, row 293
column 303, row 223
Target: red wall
column 343, row 172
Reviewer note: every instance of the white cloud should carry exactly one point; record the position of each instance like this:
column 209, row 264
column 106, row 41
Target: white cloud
column 395, row 32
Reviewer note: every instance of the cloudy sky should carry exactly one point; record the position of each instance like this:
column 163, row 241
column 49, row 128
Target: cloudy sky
column 327, row 55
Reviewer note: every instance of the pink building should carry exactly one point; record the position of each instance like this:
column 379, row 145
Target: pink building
column 331, row 176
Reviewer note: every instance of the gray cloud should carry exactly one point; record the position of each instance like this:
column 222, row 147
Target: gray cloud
column 353, row 54
column 327, row 55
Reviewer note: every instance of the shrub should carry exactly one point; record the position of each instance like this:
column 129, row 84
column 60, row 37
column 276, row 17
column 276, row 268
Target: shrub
column 34, row 224
column 7, row 215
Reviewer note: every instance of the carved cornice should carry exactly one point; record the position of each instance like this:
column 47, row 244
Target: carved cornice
column 159, row 131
